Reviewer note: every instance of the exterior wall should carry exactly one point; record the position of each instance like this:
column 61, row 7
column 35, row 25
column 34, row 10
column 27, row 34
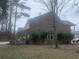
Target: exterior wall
column 63, row 28
column 43, row 24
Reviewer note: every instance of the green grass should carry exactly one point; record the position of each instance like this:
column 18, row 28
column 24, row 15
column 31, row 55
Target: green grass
column 37, row 52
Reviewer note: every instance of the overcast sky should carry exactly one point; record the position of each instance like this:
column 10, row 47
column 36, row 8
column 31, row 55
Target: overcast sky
column 37, row 9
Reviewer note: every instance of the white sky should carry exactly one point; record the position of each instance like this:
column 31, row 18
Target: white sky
column 36, row 8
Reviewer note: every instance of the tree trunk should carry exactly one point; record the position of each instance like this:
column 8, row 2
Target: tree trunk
column 53, row 6
column 10, row 24
column 15, row 25
column 1, row 26
column 54, row 31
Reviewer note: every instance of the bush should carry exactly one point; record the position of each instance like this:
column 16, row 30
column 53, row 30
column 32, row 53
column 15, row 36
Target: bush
column 43, row 36
column 65, row 38
column 35, row 37
column 39, row 37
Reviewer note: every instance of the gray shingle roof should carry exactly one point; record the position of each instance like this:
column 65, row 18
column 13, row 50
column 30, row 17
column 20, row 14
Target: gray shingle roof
column 45, row 16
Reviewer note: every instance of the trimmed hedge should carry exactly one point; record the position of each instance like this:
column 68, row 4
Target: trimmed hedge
column 39, row 37
column 63, row 38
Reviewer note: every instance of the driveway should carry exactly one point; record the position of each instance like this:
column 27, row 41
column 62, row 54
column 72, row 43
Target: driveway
column 3, row 43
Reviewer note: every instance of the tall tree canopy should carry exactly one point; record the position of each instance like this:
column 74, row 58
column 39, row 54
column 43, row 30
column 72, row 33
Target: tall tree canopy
column 3, row 8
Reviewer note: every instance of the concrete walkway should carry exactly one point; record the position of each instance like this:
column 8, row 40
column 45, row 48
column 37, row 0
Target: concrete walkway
column 3, row 43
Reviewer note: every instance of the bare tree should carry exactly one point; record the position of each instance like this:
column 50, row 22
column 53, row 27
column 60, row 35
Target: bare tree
column 15, row 4
column 56, row 7
column 76, row 4
column 60, row 5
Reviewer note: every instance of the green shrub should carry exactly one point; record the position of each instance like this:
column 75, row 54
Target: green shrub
column 35, row 37
column 43, row 36
column 39, row 37
column 65, row 38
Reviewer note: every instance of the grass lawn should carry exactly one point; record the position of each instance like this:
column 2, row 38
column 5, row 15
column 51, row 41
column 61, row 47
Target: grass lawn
column 38, row 52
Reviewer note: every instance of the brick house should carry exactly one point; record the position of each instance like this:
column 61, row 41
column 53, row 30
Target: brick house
column 44, row 23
